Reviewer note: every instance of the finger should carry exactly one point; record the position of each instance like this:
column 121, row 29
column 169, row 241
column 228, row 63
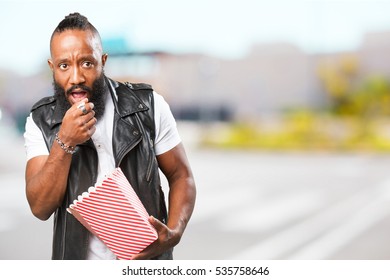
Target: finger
column 91, row 105
column 84, row 120
column 147, row 253
column 140, row 256
column 91, row 131
column 91, row 123
column 80, row 103
column 89, row 116
column 84, row 106
column 85, row 100
column 89, row 108
column 156, row 223
column 137, row 257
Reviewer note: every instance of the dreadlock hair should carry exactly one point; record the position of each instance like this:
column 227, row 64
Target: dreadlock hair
column 75, row 21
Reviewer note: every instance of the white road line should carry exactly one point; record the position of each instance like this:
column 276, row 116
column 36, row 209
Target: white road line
column 7, row 222
column 362, row 220
column 12, row 191
column 267, row 214
column 13, row 202
column 283, row 243
column 217, row 203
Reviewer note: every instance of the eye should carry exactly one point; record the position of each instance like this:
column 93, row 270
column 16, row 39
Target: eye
column 87, row 64
column 63, row 66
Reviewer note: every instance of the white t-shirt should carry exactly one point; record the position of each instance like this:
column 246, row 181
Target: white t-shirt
column 167, row 137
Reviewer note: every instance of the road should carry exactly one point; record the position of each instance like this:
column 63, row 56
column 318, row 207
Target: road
column 250, row 205
column 289, row 206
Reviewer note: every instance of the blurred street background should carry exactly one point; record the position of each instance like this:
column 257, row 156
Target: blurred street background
column 283, row 106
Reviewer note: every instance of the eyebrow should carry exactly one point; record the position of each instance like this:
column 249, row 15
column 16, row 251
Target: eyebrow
column 81, row 58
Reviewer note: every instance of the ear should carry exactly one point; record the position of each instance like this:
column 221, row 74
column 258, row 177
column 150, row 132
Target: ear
column 104, row 59
column 51, row 65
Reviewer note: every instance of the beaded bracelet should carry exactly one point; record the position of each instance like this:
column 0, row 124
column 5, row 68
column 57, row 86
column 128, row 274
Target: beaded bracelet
column 66, row 148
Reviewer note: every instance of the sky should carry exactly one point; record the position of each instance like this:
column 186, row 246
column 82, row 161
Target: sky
column 228, row 29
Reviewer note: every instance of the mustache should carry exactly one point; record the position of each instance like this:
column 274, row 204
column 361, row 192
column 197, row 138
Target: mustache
column 82, row 87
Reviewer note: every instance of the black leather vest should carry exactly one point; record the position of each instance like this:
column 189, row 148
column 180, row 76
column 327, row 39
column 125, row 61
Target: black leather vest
column 133, row 147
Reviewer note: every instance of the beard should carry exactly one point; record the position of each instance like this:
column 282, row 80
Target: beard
column 98, row 94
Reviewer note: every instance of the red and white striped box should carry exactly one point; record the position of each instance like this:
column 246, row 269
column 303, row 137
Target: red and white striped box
column 112, row 211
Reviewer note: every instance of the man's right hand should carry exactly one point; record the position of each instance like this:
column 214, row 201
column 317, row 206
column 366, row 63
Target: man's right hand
column 78, row 127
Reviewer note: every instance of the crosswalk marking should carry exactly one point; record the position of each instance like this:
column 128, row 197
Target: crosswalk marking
column 293, row 238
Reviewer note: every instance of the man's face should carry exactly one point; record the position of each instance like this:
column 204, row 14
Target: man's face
column 77, row 62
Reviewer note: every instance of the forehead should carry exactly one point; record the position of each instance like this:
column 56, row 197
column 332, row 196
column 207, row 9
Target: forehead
column 70, row 41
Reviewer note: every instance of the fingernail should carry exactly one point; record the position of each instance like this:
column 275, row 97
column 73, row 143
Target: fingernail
column 92, row 106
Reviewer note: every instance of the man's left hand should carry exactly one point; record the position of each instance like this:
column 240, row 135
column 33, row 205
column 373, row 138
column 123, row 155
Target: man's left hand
column 167, row 239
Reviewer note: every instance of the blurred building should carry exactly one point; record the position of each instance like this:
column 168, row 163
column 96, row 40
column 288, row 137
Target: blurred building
column 270, row 79
column 374, row 54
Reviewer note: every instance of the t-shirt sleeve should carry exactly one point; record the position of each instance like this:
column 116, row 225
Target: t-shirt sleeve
column 33, row 140
column 167, row 135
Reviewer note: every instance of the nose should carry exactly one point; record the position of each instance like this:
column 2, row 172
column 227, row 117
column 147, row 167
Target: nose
column 76, row 76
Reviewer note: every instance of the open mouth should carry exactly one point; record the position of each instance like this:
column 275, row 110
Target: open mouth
column 77, row 96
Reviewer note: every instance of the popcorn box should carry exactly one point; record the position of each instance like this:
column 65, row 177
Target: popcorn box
column 112, row 211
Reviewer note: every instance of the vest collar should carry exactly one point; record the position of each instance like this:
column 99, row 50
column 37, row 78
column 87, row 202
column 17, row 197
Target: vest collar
column 58, row 115
column 125, row 100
